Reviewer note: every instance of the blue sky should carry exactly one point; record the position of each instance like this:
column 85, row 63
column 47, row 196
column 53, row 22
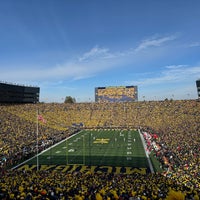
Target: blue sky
column 69, row 47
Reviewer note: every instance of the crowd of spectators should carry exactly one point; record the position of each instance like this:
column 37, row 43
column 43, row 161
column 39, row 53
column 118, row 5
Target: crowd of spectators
column 19, row 135
column 51, row 185
column 176, row 125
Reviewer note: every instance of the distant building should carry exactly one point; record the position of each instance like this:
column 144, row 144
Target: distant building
column 198, row 88
column 13, row 93
column 116, row 94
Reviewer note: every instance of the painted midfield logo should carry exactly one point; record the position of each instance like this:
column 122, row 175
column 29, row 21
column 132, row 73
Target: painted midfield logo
column 101, row 141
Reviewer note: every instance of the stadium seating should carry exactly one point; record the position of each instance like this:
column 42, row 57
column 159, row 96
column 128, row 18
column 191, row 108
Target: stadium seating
column 176, row 124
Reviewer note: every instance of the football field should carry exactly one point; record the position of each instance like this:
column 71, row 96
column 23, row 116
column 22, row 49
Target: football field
column 118, row 148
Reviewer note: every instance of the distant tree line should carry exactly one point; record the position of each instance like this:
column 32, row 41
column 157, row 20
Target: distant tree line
column 69, row 99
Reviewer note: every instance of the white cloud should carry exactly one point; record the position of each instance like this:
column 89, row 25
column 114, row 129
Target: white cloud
column 170, row 74
column 195, row 44
column 88, row 64
column 95, row 52
column 155, row 42
column 175, row 66
column 177, row 82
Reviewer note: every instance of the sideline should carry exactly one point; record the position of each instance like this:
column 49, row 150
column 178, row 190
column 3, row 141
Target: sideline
column 147, row 155
column 17, row 166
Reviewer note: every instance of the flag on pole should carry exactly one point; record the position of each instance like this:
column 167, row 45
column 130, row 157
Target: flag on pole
column 41, row 118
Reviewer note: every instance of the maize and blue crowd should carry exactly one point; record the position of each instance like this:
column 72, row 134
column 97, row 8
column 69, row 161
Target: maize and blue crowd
column 176, row 125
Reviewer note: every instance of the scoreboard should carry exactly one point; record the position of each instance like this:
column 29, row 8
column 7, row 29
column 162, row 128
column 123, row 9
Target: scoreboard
column 116, row 94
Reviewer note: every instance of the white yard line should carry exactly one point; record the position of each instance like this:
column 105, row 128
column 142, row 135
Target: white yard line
column 147, row 155
column 44, row 151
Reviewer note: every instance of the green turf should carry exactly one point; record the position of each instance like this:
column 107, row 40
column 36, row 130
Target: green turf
column 97, row 147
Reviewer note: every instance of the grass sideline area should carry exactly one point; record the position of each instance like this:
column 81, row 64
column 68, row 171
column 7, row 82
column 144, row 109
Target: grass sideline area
column 114, row 148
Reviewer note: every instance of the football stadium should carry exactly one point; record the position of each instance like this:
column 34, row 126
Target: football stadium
column 101, row 150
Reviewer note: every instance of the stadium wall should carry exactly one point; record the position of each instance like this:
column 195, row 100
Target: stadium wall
column 198, row 88
column 10, row 93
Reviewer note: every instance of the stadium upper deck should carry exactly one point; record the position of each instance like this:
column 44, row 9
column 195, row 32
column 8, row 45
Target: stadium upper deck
column 198, row 88
column 12, row 93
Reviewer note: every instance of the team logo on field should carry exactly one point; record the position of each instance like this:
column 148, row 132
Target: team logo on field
column 101, row 141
